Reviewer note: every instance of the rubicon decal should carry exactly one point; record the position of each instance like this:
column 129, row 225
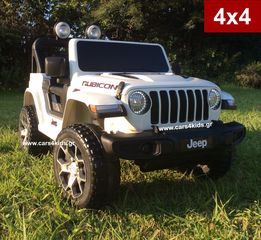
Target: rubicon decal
column 99, row 85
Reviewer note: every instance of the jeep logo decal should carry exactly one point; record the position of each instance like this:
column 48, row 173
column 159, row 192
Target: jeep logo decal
column 197, row 144
column 99, row 85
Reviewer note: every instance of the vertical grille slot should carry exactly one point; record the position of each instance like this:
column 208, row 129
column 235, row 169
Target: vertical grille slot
column 174, row 106
column 199, row 105
column 183, row 106
column 191, row 105
column 205, row 101
column 155, row 107
column 179, row 106
column 164, row 107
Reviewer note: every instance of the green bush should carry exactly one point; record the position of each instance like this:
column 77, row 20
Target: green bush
column 12, row 78
column 212, row 64
column 250, row 76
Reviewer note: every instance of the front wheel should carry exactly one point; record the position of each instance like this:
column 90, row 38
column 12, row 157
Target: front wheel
column 82, row 171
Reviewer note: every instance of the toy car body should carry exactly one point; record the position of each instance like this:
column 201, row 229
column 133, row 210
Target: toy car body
column 104, row 100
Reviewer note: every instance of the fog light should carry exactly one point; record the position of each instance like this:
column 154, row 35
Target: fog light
column 93, row 32
column 147, row 148
column 62, row 30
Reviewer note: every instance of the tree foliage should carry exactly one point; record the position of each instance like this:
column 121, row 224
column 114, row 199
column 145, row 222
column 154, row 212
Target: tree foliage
column 177, row 25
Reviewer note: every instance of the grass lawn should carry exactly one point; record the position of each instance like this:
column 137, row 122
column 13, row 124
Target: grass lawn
column 157, row 205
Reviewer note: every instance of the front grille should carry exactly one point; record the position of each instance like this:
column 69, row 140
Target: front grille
column 179, row 106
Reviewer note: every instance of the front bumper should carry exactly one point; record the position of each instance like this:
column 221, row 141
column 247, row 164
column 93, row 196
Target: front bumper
column 151, row 145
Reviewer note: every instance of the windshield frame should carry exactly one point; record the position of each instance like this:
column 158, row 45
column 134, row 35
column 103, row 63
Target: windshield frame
column 75, row 57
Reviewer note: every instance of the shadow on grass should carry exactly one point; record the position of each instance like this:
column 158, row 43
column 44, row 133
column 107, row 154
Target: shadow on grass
column 163, row 195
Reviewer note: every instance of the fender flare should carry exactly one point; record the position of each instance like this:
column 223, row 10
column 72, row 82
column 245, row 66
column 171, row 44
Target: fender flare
column 28, row 98
column 76, row 112
column 77, row 107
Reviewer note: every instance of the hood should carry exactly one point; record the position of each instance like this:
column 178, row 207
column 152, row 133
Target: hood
column 107, row 83
column 157, row 80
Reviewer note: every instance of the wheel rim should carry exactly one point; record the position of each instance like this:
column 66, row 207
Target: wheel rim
column 24, row 131
column 71, row 169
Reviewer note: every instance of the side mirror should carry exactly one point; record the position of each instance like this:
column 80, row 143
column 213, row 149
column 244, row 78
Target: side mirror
column 55, row 67
column 176, row 68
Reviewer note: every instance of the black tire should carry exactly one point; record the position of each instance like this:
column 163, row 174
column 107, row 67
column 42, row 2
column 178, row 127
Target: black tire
column 214, row 167
column 81, row 169
column 31, row 140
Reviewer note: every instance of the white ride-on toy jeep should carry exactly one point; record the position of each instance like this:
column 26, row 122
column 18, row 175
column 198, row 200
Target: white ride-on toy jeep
column 104, row 100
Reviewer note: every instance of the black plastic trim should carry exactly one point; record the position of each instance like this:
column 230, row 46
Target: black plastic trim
column 150, row 145
column 206, row 106
column 183, row 106
column 101, row 115
column 164, row 100
column 199, row 105
column 154, row 107
column 174, row 106
column 225, row 105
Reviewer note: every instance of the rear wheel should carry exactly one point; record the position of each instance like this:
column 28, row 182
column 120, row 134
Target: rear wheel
column 31, row 140
column 81, row 169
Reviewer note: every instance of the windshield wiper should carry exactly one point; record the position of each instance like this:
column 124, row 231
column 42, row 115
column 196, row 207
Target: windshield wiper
column 124, row 74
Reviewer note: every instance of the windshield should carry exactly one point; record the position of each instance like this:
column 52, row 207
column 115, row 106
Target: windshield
column 120, row 57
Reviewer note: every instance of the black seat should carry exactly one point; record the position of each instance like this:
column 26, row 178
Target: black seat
column 46, row 47
column 56, row 88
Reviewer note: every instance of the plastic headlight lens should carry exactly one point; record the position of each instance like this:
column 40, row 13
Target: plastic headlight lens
column 93, row 32
column 62, row 30
column 214, row 99
column 139, row 102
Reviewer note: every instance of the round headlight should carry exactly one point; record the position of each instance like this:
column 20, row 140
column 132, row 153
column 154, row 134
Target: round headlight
column 139, row 102
column 214, row 99
column 62, row 30
column 93, row 32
